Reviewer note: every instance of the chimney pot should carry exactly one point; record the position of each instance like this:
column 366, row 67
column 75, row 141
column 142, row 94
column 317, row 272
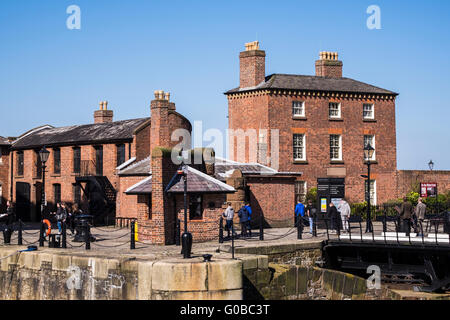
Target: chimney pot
column 101, row 105
column 167, row 96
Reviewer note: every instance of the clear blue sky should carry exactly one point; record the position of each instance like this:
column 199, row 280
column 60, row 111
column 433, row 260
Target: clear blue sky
column 127, row 49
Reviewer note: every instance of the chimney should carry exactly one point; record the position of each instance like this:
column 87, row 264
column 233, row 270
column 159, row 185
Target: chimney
column 159, row 129
column 252, row 65
column 328, row 65
column 103, row 114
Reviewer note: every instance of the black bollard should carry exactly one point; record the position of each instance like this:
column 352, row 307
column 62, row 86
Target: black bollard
column 221, row 230
column 261, row 228
column 178, row 233
column 64, row 235
column 41, row 235
column 133, row 242
column 87, row 235
column 299, row 228
column 232, row 239
column 186, row 239
column 19, row 237
column 314, row 226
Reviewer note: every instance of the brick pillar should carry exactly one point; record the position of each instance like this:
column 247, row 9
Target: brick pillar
column 159, row 131
column 252, row 65
column 328, row 65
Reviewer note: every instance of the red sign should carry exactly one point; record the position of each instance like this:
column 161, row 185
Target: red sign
column 428, row 190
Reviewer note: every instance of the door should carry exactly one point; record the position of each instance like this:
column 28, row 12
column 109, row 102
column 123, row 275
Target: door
column 99, row 161
column 23, row 201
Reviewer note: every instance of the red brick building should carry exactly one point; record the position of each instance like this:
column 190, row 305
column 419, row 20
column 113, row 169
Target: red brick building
column 323, row 122
column 4, row 172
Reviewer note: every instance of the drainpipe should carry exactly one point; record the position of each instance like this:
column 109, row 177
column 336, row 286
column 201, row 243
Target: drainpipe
column 12, row 175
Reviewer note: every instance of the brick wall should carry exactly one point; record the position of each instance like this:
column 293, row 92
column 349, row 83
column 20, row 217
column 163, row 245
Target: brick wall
column 127, row 205
column 4, row 177
column 407, row 179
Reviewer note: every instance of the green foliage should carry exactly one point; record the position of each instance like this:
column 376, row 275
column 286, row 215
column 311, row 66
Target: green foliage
column 413, row 197
column 312, row 195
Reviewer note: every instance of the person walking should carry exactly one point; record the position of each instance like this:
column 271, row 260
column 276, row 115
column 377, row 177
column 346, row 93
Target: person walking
column 405, row 216
column 243, row 219
column 249, row 210
column 9, row 217
column 229, row 215
column 299, row 212
column 61, row 216
column 419, row 212
column 333, row 216
column 344, row 209
column 311, row 214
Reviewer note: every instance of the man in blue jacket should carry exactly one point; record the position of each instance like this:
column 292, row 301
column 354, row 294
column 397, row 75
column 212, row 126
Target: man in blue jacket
column 299, row 212
column 249, row 210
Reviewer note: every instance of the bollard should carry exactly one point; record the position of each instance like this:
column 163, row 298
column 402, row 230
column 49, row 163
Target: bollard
column 299, row 228
column 178, row 233
column 87, row 235
column 133, row 242
column 41, row 235
column 261, row 228
column 64, row 235
column 221, row 230
column 232, row 239
column 315, row 226
column 19, row 238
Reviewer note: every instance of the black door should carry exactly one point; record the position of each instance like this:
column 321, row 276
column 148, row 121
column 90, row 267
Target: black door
column 23, row 201
column 99, row 161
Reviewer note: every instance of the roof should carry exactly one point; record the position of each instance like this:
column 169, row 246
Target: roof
column 314, row 83
column 80, row 134
column 133, row 168
column 4, row 141
column 225, row 167
column 197, row 182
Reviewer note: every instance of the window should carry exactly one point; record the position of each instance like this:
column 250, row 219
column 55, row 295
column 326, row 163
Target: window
column 334, row 110
column 299, row 147
column 195, row 207
column 99, row 160
column 38, row 163
column 56, row 193
column 370, row 139
column 300, row 191
column 57, row 161
column 76, row 160
column 120, row 154
column 298, row 109
column 335, row 147
column 373, row 191
column 20, row 163
column 368, row 111
column 77, row 194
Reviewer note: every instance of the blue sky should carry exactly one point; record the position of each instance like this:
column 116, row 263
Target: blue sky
column 127, row 49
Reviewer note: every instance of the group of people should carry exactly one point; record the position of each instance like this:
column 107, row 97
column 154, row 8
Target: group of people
column 244, row 214
column 336, row 215
column 410, row 216
column 67, row 214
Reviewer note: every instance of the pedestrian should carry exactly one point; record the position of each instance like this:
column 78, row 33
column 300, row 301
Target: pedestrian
column 70, row 218
column 243, row 219
column 229, row 215
column 61, row 215
column 249, row 209
column 333, row 216
column 299, row 212
column 344, row 209
column 405, row 216
column 419, row 212
column 8, row 217
column 311, row 213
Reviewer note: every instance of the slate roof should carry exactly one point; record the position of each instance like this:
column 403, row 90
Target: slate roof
column 314, row 83
column 4, row 141
column 198, row 182
column 139, row 168
column 110, row 132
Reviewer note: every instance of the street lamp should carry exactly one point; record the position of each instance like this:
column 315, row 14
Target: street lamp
column 43, row 155
column 368, row 153
column 431, row 165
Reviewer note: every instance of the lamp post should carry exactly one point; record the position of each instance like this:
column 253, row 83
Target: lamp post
column 368, row 153
column 43, row 155
column 431, row 166
column 186, row 238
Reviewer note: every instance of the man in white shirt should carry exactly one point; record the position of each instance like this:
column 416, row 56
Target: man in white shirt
column 344, row 209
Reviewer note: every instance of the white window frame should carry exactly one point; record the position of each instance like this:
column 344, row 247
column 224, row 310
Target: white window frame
column 373, row 111
column 304, row 146
column 298, row 115
column 339, row 110
column 373, row 198
column 373, row 146
column 340, row 147
column 305, row 184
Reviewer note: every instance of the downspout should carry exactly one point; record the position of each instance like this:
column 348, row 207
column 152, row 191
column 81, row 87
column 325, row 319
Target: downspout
column 12, row 176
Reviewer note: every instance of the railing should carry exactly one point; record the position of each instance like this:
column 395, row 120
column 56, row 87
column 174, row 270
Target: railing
column 87, row 168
